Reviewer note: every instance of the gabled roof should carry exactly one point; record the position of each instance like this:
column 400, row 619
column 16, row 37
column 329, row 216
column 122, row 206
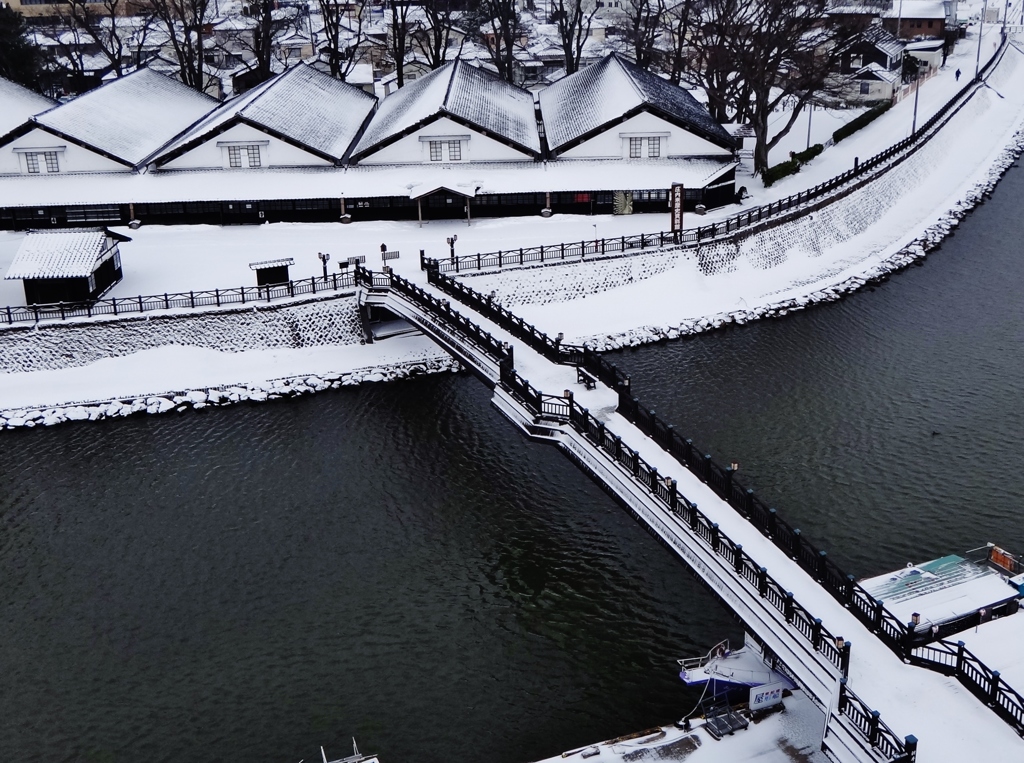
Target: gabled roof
column 585, row 103
column 302, row 106
column 881, row 39
column 18, row 104
column 68, row 253
column 129, row 118
column 876, row 72
column 463, row 93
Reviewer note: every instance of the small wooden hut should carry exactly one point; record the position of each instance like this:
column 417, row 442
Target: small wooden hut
column 71, row 265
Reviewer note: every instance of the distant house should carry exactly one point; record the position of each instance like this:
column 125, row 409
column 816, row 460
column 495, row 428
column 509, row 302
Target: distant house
column 453, row 115
column 71, row 265
column 872, row 66
column 18, row 105
column 301, row 118
column 113, row 128
column 615, row 110
column 920, row 18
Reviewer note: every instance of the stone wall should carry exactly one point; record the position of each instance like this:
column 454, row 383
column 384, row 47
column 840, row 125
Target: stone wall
column 332, row 320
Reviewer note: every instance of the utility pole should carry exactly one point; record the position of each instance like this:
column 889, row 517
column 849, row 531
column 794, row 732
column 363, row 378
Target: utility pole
column 981, row 30
column 917, row 90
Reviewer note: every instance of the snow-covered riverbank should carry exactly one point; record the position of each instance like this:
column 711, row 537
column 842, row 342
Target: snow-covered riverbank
column 837, row 249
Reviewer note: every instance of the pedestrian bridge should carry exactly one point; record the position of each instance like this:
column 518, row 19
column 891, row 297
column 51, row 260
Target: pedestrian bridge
column 875, row 679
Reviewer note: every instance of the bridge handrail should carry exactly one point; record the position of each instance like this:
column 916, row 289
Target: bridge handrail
column 984, row 683
column 900, row 637
column 694, row 236
column 873, row 728
column 144, row 303
column 833, row 648
column 500, row 352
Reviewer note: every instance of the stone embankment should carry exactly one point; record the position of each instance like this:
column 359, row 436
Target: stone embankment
column 214, row 397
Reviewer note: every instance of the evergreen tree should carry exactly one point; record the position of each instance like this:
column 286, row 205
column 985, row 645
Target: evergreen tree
column 20, row 59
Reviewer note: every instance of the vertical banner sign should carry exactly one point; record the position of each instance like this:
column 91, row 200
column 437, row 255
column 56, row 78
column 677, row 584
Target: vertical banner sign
column 677, row 207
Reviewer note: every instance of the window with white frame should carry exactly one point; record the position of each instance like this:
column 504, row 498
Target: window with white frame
column 241, row 154
column 636, row 148
column 444, row 148
column 41, row 161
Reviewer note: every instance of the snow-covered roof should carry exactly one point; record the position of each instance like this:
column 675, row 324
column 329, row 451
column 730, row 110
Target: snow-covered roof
column 129, row 118
column 876, row 71
column 301, row 106
column 883, row 40
column 586, row 102
column 464, row 93
column 17, row 104
column 68, row 253
column 917, row 9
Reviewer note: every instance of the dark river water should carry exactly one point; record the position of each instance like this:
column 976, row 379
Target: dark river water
column 398, row 564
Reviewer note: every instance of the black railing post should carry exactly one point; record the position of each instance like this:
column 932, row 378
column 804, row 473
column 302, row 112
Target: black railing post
column 773, row 519
column 910, row 745
column 749, row 506
column 844, row 659
column 873, row 722
column 787, row 607
column 670, row 432
column 694, row 519
column 876, row 619
column 654, row 480
column 673, row 496
column 822, row 564
column 851, row 581
column 797, row 542
column 715, row 536
column 843, row 699
column 706, row 468
column 61, row 304
column 816, row 633
column 737, row 561
column 113, row 302
column 192, row 299
column 762, row 581
column 960, row 658
column 993, row 689
column 216, row 294
column 727, row 487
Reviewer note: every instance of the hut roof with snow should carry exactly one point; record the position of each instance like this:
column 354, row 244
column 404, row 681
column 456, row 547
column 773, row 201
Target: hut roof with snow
column 463, row 96
column 126, row 119
column 18, row 104
column 67, row 253
column 591, row 101
column 302, row 107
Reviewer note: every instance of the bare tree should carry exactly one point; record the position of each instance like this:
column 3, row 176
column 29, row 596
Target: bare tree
column 643, row 22
column 754, row 58
column 117, row 28
column 677, row 21
column 344, row 33
column 184, row 22
column 398, row 37
column 709, row 64
column 498, row 25
column 258, row 35
column 434, row 36
column 573, row 24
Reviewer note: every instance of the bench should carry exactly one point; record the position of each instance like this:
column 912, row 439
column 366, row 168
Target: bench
column 584, row 377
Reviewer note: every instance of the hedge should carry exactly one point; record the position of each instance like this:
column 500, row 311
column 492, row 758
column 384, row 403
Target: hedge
column 780, row 171
column 862, row 121
column 805, row 156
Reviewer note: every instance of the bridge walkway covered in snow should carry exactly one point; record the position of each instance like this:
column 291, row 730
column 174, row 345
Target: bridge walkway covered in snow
column 850, row 655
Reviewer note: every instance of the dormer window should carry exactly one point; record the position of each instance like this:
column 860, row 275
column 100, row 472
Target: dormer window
column 444, row 148
column 40, row 161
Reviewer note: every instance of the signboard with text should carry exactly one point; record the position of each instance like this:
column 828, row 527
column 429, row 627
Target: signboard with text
column 762, row 697
column 676, row 205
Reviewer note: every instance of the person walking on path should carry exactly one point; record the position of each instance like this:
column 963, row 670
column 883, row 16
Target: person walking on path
column 957, row 75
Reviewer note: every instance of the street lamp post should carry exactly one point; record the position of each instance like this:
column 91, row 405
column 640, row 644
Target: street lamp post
column 451, row 244
column 324, row 257
column 917, row 90
column 981, row 31
column 810, row 113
